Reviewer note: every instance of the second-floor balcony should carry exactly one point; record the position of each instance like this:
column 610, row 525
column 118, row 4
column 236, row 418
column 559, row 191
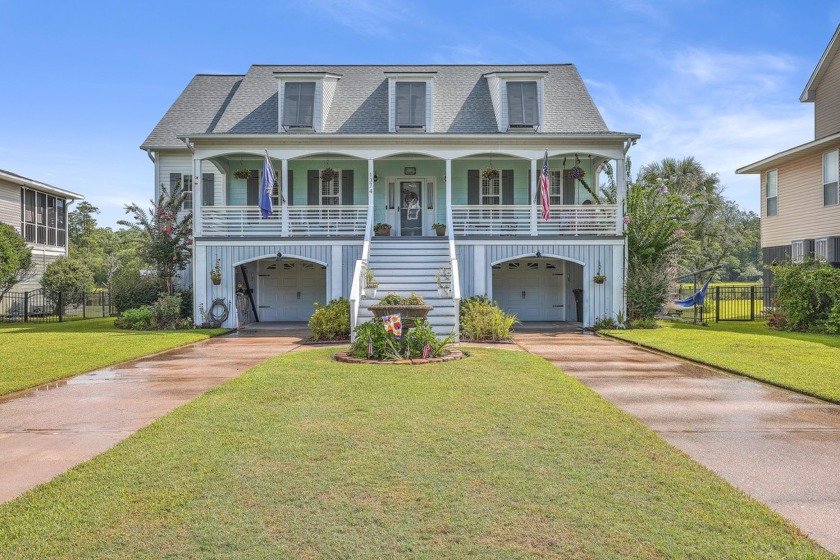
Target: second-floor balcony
column 291, row 221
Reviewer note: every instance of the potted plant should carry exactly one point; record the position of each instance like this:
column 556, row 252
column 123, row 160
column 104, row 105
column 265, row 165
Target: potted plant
column 444, row 280
column 410, row 309
column 382, row 230
column 490, row 173
column 577, row 172
column 440, row 229
column 242, row 173
column 599, row 278
column 328, row 174
column 216, row 273
column 370, row 283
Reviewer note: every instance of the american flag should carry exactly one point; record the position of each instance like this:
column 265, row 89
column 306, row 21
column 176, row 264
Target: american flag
column 544, row 190
column 426, row 350
column 370, row 347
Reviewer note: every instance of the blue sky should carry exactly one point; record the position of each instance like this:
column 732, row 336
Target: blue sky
column 83, row 82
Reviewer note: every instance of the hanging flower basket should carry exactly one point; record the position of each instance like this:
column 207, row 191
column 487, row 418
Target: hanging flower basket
column 328, row 174
column 577, row 172
column 242, row 173
column 216, row 273
column 490, row 173
column 599, row 278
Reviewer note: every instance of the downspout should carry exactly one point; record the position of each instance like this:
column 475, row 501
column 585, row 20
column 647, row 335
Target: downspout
column 150, row 154
column 190, row 147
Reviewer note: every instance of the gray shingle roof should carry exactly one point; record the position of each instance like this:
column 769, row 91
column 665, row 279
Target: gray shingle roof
column 462, row 105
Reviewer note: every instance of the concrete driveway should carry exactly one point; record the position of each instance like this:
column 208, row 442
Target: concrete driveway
column 780, row 447
column 47, row 431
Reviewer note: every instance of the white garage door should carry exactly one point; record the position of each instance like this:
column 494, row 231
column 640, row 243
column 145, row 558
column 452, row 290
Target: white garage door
column 288, row 289
column 532, row 289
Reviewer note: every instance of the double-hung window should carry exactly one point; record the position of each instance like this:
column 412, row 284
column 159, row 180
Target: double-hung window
column 831, row 195
column 772, row 187
column 523, row 109
column 410, row 105
column 298, row 105
column 555, row 188
column 183, row 182
column 331, row 190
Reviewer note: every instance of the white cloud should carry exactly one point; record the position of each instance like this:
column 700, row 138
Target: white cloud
column 376, row 18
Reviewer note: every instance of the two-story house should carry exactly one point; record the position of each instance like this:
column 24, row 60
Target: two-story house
column 800, row 200
column 407, row 146
column 38, row 211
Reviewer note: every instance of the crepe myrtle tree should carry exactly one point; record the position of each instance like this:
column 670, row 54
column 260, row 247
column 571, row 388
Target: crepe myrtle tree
column 165, row 234
column 15, row 258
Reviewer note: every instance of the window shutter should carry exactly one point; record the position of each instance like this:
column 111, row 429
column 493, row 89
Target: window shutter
column 290, row 195
column 568, row 187
column 174, row 179
column 507, row 186
column 347, row 187
column 473, row 186
column 253, row 190
column 313, row 187
column 208, row 189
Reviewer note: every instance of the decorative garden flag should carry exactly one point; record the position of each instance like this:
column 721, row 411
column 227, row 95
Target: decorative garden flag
column 544, row 189
column 370, row 347
column 426, row 351
column 393, row 325
column 266, row 187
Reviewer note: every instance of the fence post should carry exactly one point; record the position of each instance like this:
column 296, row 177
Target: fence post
column 60, row 307
column 717, row 304
column 84, row 305
column 752, row 303
column 102, row 301
column 25, row 307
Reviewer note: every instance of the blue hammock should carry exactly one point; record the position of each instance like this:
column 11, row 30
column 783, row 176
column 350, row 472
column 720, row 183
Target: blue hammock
column 696, row 299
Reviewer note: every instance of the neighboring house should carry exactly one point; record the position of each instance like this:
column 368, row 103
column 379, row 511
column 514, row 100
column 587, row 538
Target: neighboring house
column 409, row 146
column 39, row 212
column 800, row 201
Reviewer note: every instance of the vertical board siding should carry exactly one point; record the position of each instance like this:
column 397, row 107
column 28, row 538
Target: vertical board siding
column 802, row 214
column 350, row 254
column 597, row 299
column 206, row 292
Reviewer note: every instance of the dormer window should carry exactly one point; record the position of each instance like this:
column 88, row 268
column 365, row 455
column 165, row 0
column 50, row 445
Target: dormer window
column 523, row 109
column 305, row 100
column 410, row 106
column 410, row 101
column 298, row 105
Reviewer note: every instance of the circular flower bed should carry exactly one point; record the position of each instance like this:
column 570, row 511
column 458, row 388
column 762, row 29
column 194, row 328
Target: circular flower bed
column 450, row 356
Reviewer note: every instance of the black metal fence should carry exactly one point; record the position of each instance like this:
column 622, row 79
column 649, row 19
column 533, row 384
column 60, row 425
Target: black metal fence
column 41, row 306
column 730, row 303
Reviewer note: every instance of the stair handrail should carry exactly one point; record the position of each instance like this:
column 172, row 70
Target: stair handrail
column 356, row 296
column 453, row 266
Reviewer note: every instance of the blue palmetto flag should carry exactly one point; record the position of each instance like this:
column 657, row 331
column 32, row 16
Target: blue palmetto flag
column 266, row 187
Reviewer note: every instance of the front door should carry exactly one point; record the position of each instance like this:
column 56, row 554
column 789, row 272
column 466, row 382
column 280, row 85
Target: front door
column 411, row 208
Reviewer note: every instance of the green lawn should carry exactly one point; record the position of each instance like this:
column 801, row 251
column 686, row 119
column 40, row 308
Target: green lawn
column 807, row 363
column 32, row 354
column 496, row 456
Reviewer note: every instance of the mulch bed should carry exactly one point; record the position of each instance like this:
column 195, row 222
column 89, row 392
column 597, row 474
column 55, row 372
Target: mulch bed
column 450, row 356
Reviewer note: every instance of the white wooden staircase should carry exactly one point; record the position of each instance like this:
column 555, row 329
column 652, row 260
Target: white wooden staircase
column 404, row 266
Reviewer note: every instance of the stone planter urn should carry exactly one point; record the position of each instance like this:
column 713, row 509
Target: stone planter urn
column 409, row 314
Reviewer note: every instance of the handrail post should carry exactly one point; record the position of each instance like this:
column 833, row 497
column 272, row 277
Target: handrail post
column 533, row 188
column 284, row 200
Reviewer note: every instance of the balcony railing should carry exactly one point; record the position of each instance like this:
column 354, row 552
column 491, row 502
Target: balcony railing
column 245, row 221
column 516, row 220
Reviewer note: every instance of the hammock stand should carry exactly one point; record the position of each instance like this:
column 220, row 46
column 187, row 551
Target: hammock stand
column 698, row 298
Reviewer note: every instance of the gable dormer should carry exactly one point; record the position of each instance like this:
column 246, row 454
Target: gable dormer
column 304, row 100
column 823, row 90
column 517, row 100
column 410, row 101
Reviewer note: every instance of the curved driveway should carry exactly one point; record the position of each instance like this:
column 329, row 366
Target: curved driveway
column 780, row 447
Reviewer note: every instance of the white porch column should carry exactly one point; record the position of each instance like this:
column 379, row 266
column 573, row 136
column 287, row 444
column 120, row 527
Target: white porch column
column 449, row 226
column 620, row 194
column 196, row 226
column 371, row 172
column 335, row 272
column 284, row 200
column 533, row 193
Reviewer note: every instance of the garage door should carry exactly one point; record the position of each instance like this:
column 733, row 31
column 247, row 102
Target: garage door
column 288, row 289
column 532, row 289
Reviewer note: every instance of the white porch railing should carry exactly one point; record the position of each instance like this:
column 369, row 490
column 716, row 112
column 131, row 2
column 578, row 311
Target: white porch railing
column 591, row 219
column 491, row 220
column 516, row 220
column 245, row 221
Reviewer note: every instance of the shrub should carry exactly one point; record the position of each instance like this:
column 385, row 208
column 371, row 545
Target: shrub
column 481, row 319
column 385, row 346
column 808, row 297
column 131, row 290
column 140, row 319
column 331, row 321
column 186, row 304
column 605, row 323
column 394, row 299
column 15, row 258
column 643, row 324
column 167, row 312
column 71, row 277
column 646, row 289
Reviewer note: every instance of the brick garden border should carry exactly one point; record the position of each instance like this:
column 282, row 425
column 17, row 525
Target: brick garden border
column 450, row 356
